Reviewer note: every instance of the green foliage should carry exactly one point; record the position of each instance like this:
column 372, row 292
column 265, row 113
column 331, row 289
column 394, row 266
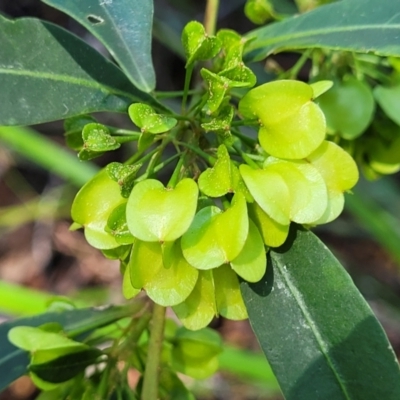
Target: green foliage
column 219, row 234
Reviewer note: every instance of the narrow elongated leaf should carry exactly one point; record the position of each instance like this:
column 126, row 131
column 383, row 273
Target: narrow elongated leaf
column 351, row 25
column 318, row 333
column 47, row 73
column 14, row 361
column 124, row 27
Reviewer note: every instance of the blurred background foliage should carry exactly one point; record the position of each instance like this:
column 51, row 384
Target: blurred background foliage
column 40, row 257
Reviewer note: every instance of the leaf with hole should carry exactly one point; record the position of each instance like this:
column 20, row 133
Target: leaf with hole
column 125, row 30
column 40, row 61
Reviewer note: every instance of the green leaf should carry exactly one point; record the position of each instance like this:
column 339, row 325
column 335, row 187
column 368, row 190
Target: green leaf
column 14, row 361
column 148, row 120
column 348, row 107
column 388, row 99
column 195, row 353
column 65, row 367
column 39, row 60
column 124, row 27
column 197, row 44
column 46, row 153
column 366, row 26
column 333, row 347
column 96, row 141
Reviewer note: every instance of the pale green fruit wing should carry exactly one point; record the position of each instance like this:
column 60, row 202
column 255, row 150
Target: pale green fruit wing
column 227, row 294
column 199, row 307
column 155, row 213
column 251, row 263
column 270, row 191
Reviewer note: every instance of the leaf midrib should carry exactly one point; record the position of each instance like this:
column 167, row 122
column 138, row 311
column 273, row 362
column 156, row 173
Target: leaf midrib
column 314, row 329
column 323, row 31
column 67, row 79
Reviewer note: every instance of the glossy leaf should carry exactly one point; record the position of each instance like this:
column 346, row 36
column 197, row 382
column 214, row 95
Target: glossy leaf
column 334, row 347
column 155, row 213
column 65, row 367
column 44, row 345
column 14, row 361
column 124, row 28
column 40, row 61
column 343, row 25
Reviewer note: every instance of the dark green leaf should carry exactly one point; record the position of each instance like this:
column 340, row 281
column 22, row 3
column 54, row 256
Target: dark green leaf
column 318, row 333
column 124, row 27
column 46, row 73
column 357, row 25
column 14, row 361
column 66, row 367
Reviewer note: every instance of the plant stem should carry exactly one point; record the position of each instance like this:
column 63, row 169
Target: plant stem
column 188, row 77
column 175, row 176
column 245, row 158
column 151, row 374
column 210, row 17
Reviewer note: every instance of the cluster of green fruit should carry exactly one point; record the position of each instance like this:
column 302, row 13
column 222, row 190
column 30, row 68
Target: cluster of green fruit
column 364, row 120
column 184, row 250
column 187, row 243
